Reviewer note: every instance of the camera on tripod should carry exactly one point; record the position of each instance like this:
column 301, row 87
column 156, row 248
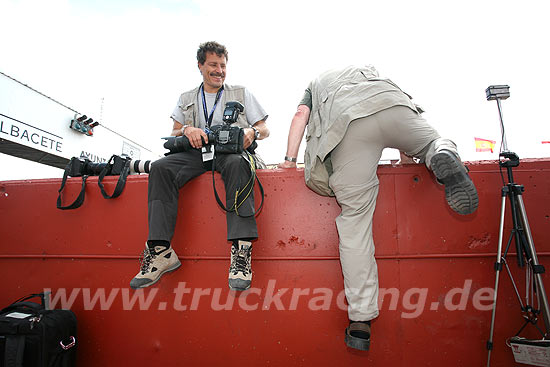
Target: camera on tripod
column 226, row 139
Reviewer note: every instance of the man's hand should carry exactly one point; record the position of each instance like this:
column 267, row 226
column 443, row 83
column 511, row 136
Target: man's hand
column 248, row 137
column 287, row 164
column 195, row 136
column 405, row 159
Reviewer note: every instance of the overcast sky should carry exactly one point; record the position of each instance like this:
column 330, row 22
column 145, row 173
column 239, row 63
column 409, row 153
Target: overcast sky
column 138, row 56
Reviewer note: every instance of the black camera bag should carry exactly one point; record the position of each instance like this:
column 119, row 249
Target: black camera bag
column 31, row 336
column 229, row 139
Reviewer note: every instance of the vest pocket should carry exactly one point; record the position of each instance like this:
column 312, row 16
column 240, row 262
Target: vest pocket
column 187, row 111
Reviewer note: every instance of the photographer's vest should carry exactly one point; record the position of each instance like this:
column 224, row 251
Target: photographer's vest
column 190, row 109
column 338, row 98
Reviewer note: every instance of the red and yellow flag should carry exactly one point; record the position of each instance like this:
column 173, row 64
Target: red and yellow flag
column 484, row 145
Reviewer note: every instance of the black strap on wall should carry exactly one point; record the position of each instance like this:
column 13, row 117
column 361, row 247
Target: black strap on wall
column 121, row 179
column 70, row 170
column 80, row 198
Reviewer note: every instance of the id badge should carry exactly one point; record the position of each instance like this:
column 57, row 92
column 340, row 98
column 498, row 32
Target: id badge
column 208, row 152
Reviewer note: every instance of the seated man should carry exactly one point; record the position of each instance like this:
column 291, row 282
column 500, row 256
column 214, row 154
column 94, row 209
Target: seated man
column 352, row 115
column 197, row 110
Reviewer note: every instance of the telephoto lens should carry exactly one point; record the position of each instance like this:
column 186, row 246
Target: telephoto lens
column 140, row 166
column 177, row 144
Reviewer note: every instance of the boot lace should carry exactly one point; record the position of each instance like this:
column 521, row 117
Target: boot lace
column 241, row 260
column 146, row 260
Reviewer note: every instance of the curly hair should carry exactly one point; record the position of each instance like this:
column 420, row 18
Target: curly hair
column 211, row 46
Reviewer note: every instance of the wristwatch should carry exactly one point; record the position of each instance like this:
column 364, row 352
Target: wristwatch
column 256, row 133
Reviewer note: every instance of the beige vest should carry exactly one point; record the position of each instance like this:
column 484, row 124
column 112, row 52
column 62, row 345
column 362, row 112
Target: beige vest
column 190, row 109
column 338, row 98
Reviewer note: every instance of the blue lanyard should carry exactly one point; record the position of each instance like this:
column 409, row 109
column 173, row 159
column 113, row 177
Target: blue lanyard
column 207, row 118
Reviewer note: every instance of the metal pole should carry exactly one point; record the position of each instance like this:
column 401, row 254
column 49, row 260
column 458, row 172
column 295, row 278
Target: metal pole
column 504, row 142
column 545, row 310
column 498, row 267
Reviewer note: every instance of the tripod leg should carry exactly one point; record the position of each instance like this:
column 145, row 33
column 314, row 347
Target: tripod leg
column 537, row 268
column 517, row 231
column 498, row 268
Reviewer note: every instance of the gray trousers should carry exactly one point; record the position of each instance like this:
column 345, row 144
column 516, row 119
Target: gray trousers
column 170, row 173
column 355, row 184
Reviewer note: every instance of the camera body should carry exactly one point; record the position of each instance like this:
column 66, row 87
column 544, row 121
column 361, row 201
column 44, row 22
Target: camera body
column 226, row 139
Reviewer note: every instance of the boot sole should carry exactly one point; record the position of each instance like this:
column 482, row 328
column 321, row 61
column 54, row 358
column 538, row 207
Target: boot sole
column 460, row 191
column 237, row 288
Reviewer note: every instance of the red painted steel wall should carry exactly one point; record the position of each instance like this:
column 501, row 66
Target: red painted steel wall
column 426, row 254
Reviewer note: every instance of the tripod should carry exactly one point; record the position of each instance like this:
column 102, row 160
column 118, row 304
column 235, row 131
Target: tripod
column 521, row 233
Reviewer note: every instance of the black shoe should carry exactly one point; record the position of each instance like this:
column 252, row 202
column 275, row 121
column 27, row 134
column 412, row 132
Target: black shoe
column 460, row 192
column 358, row 335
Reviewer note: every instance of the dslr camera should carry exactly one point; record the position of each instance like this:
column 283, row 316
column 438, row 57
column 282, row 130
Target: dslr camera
column 226, row 139
column 114, row 167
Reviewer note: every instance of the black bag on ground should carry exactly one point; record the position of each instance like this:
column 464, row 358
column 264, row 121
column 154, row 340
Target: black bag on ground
column 31, row 336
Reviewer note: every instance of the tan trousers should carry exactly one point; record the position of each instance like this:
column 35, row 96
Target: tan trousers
column 355, row 184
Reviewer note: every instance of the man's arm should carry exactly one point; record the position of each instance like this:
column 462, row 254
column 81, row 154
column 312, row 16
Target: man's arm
column 194, row 134
column 249, row 133
column 176, row 129
column 295, row 135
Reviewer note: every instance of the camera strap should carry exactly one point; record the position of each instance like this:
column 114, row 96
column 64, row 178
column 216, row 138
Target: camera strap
column 208, row 118
column 235, row 208
column 80, row 198
column 121, row 179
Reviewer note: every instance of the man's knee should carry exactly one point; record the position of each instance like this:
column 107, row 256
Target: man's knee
column 436, row 146
column 234, row 163
column 234, row 159
column 160, row 168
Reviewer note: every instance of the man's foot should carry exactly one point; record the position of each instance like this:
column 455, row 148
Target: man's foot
column 240, row 271
column 358, row 335
column 154, row 263
column 460, row 192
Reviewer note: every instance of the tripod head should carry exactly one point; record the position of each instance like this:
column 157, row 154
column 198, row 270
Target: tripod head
column 512, row 159
column 498, row 93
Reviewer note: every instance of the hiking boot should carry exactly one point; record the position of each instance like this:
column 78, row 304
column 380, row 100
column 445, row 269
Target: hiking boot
column 154, row 263
column 460, row 192
column 240, row 271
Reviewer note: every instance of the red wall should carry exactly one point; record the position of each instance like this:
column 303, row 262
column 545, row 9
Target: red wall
column 425, row 252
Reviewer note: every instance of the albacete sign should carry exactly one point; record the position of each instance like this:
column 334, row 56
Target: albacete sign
column 29, row 135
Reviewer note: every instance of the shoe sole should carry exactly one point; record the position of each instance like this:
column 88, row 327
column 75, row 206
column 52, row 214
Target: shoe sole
column 240, row 289
column 168, row 270
column 460, row 191
column 355, row 342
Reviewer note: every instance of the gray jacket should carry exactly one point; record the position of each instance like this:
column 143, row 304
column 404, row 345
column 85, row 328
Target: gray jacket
column 338, row 98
